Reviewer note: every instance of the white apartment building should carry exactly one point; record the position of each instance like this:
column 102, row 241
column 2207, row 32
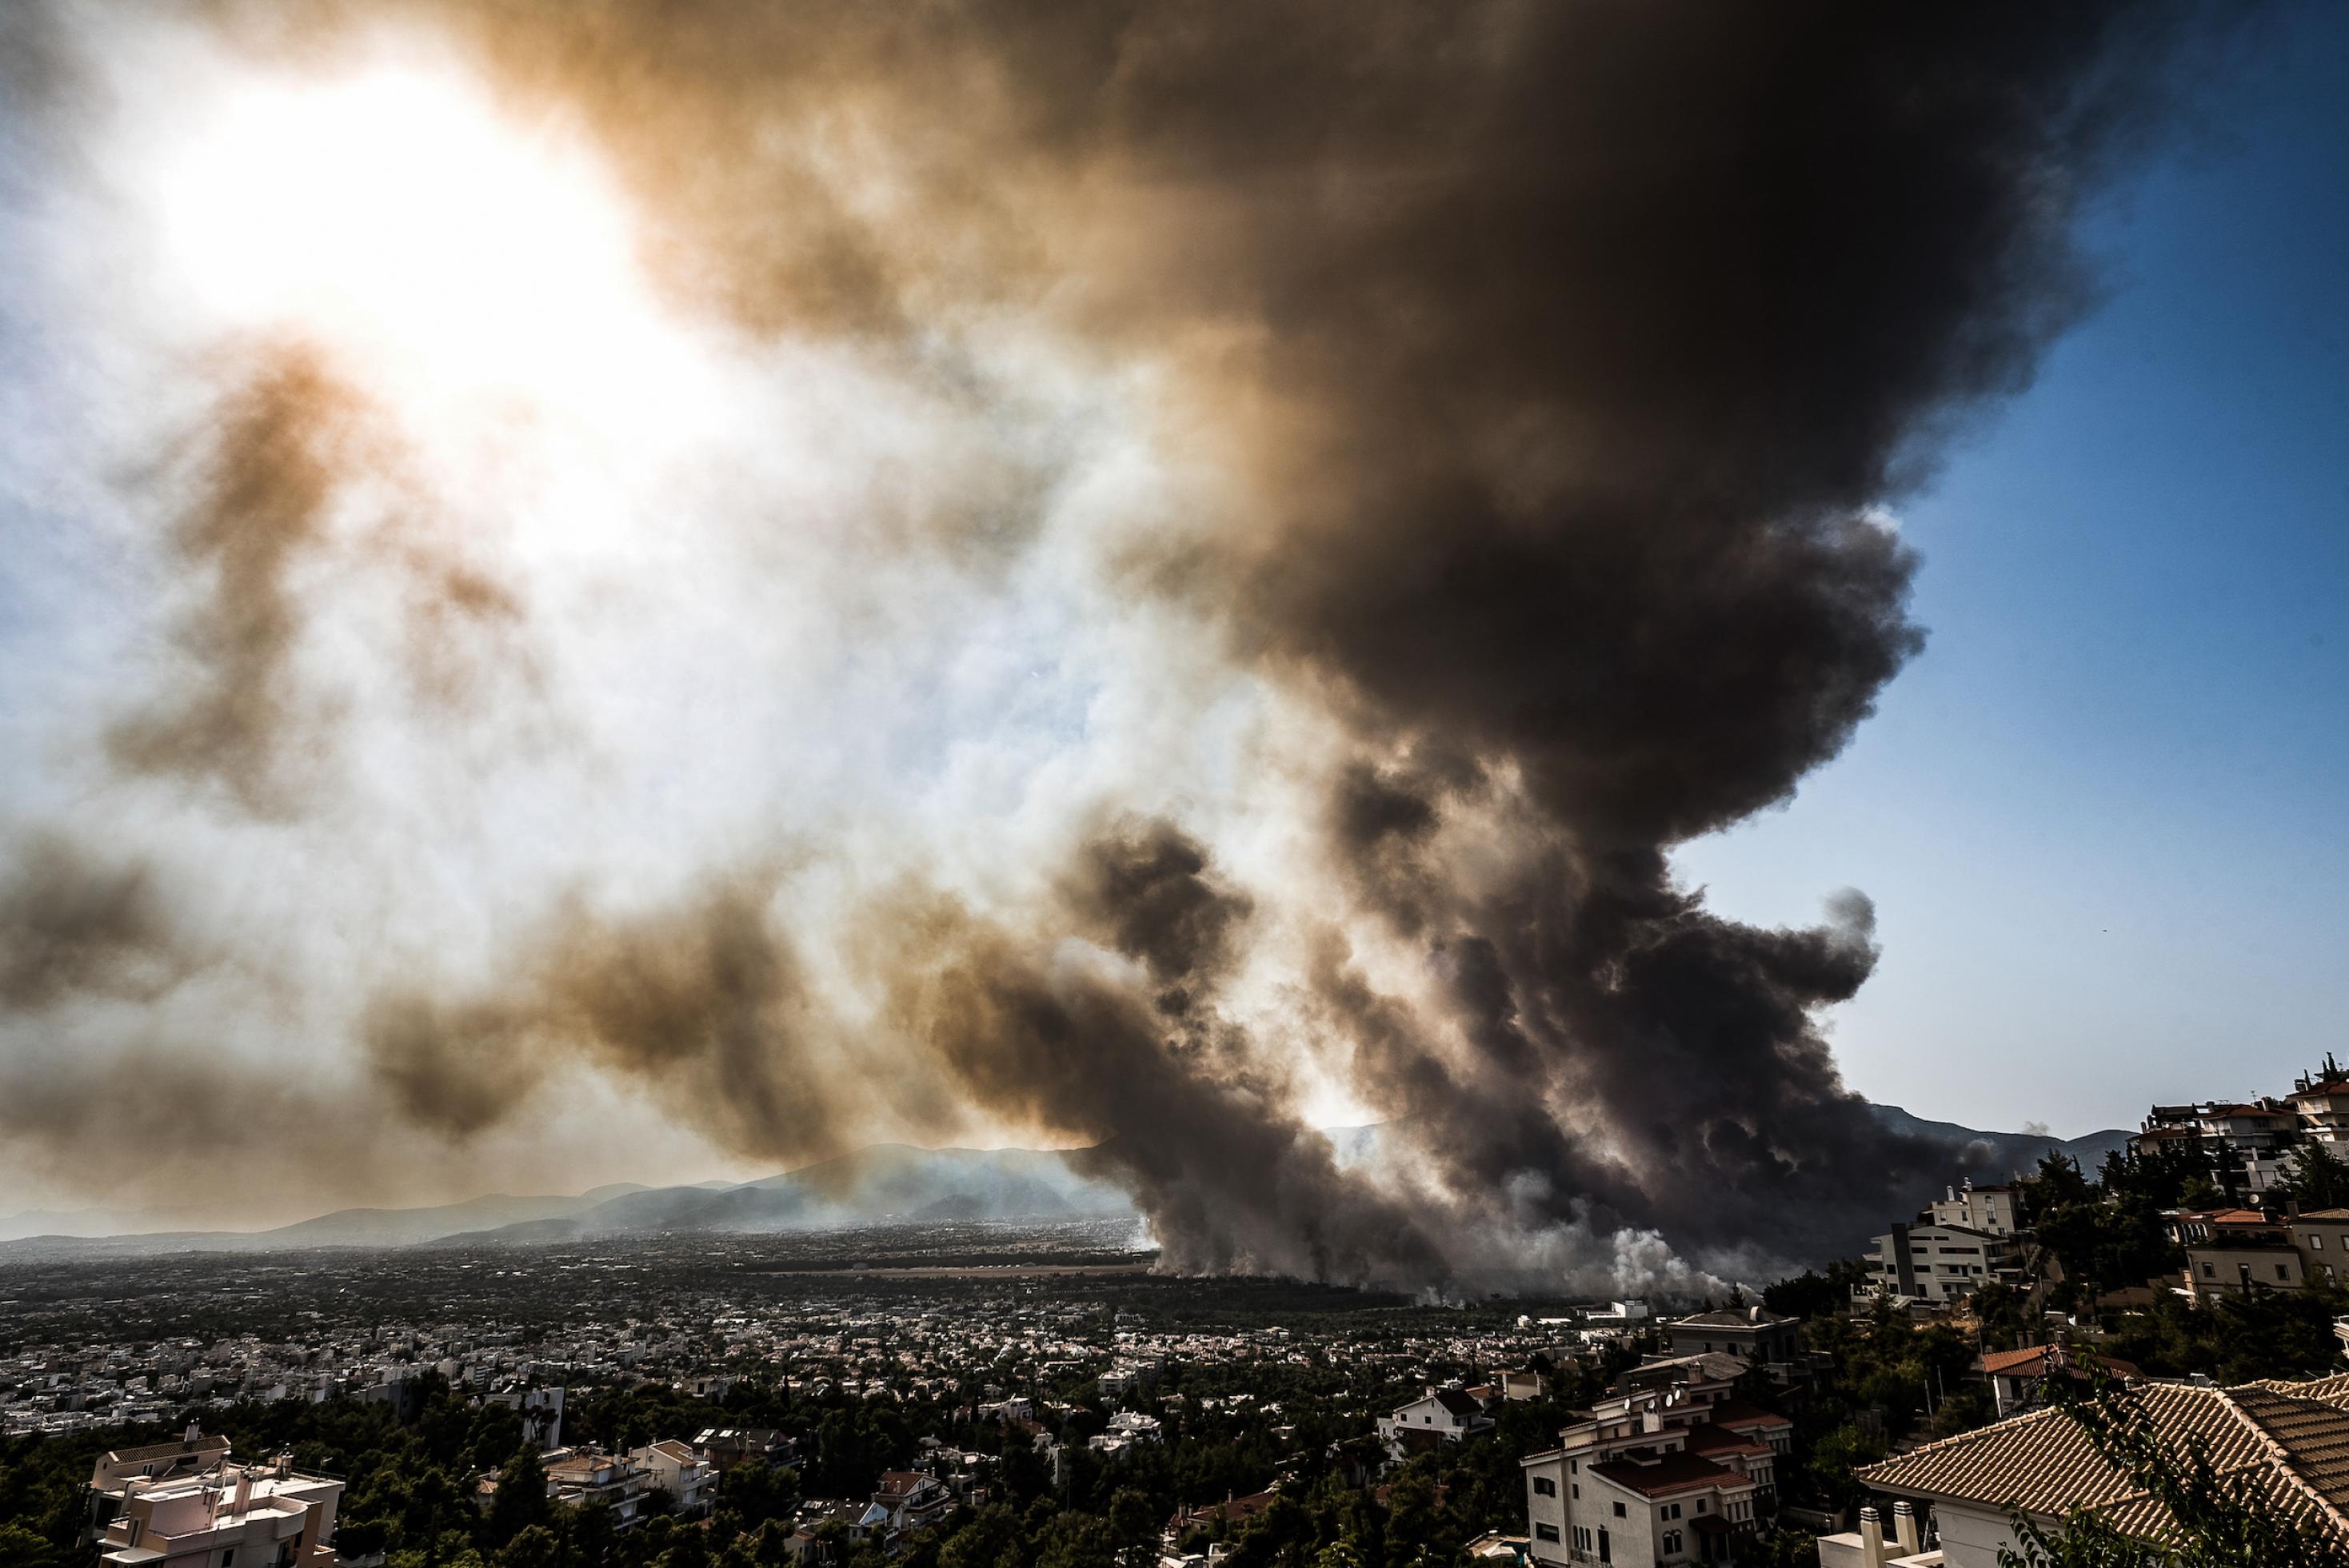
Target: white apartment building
column 1989, row 1210
column 1636, row 1502
column 1937, row 1262
column 1756, row 1333
column 578, row 1476
column 674, row 1468
column 235, row 1516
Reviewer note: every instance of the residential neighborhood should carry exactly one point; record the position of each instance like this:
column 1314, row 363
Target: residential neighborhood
column 1875, row 1411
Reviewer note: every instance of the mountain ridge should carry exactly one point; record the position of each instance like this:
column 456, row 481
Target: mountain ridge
column 875, row 1183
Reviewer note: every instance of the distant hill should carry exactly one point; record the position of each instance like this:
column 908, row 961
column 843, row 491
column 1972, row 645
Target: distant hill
column 1997, row 1156
column 343, row 1228
column 882, row 1182
column 885, row 1181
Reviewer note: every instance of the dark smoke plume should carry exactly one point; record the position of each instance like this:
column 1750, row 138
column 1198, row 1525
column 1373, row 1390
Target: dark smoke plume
column 1558, row 362
column 72, row 924
column 284, row 440
column 1591, row 336
column 703, row 1003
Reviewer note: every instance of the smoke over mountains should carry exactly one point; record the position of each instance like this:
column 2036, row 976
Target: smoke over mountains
column 917, row 570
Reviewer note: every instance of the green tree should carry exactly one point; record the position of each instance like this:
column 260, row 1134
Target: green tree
column 2315, row 1178
column 521, row 1502
column 533, row 1546
column 21, row 1548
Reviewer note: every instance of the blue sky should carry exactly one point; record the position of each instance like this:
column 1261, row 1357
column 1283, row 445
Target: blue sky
column 2102, row 815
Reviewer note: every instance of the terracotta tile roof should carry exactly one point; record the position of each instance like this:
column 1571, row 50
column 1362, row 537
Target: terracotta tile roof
column 2031, row 1361
column 2332, row 1215
column 1707, row 1440
column 1671, row 1473
column 2288, row 1441
column 1740, row 1416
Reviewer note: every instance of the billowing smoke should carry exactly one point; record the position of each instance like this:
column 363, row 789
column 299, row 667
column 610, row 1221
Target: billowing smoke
column 1105, row 573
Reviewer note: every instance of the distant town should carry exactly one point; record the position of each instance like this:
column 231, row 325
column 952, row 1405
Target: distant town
column 954, row 1395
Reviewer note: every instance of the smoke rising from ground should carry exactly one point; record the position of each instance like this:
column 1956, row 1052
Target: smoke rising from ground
column 1097, row 575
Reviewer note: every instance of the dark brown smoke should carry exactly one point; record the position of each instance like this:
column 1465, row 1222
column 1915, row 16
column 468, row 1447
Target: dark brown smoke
column 701, row 1003
column 1563, row 358
column 72, row 924
column 290, row 438
column 284, row 440
column 1174, row 1101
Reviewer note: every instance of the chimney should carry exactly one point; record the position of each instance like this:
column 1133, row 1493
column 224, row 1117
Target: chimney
column 243, row 1490
column 1871, row 1538
column 195, row 1430
column 1904, row 1528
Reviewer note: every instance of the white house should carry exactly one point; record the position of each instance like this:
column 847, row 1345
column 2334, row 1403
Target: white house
column 906, row 1500
column 1636, row 1504
column 1439, row 1416
column 676, row 1468
column 578, row 1476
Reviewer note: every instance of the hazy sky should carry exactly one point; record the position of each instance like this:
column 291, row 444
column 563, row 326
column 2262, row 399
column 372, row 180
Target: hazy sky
column 2105, row 816
column 638, row 591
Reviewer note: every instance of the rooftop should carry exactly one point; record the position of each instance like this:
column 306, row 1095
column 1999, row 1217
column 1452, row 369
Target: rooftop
column 1669, row 1474
column 2288, row 1441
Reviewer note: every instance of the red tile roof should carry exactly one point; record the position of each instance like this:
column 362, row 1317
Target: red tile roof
column 1669, row 1474
column 2288, row 1443
column 2031, row 1362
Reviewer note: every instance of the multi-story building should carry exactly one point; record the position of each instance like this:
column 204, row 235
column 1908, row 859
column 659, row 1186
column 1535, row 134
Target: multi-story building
column 110, row 1481
column 1669, row 1468
column 1990, row 1210
column 1638, row 1494
column 726, row 1446
column 2233, row 1251
column 1929, row 1262
column 2248, row 1143
column 541, row 1410
column 1754, row 1334
column 575, row 1477
column 245, row 1516
column 2320, row 1099
column 906, row 1501
column 687, row 1478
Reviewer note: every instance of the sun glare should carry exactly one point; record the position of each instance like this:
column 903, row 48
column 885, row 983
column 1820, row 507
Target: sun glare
column 397, row 217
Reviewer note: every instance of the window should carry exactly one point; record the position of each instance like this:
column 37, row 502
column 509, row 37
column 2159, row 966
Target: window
column 228, row 1556
column 1672, row 1543
column 1574, row 1466
column 1545, row 1531
column 2210, row 1270
column 2282, row 1272
column 1672, row 1510
column 1545, row 1487
column 2316, row 1244
column 1578, row 1488
column 1618, row 1511
column 1700, row 1505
